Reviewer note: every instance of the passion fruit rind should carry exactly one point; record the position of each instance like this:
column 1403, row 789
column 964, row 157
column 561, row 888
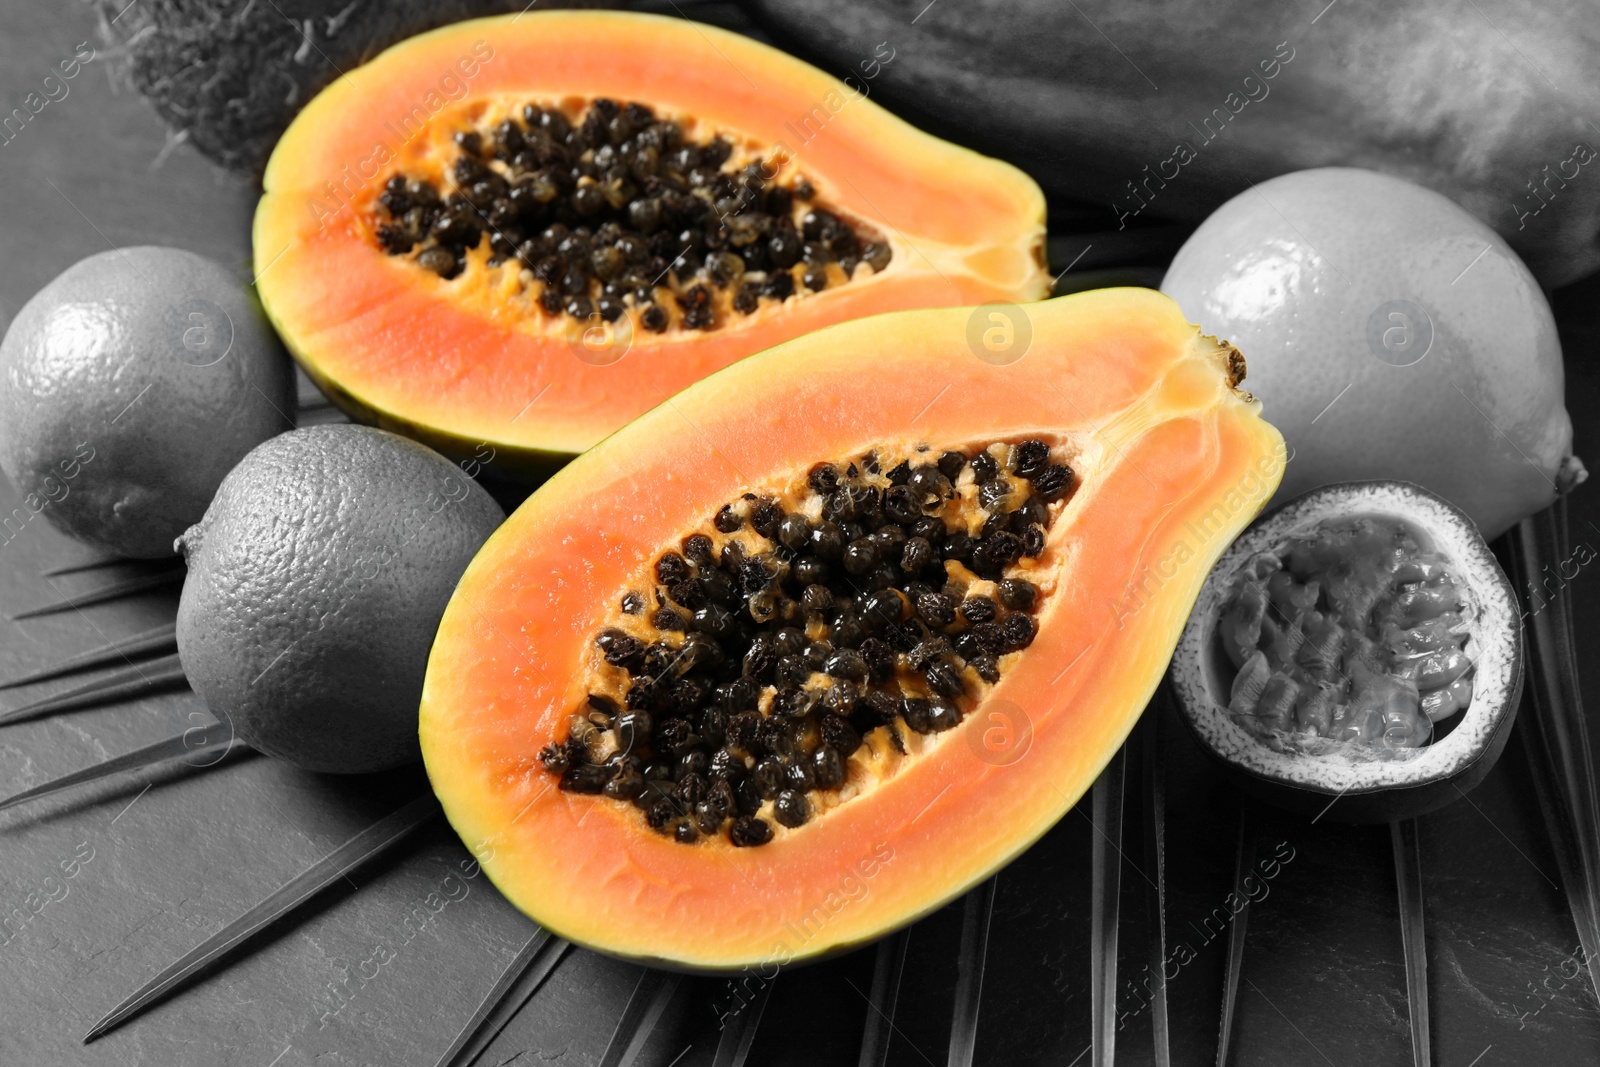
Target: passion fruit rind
column 1308, row 773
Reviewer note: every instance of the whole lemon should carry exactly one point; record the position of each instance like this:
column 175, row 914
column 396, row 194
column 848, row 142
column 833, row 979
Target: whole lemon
column 1390, row 335
column 129, row 387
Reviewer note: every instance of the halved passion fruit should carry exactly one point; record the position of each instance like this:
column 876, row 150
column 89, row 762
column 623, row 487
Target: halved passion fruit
column 810, row 650
column 510, row 236
column 1357, row 653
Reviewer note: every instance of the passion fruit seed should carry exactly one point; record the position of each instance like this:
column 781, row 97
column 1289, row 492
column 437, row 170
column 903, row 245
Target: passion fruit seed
column 613, row 209
column 1354, row 631
column 793, row 626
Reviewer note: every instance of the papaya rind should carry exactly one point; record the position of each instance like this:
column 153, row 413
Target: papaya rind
column 1332, row 786
column 525, row 466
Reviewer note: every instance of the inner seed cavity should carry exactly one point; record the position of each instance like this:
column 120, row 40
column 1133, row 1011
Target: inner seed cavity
column 614, row 211
column 1355, row 630
column 749, row 671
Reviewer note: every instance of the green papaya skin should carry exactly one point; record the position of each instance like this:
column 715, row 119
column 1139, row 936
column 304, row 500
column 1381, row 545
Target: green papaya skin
column 1167, row 109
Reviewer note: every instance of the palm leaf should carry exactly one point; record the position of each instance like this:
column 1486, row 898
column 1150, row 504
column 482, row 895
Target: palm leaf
column 1244, row 861
column 376, row 840
column 739, row 1033
column 648, row 1003
column 1105, row 906
column 887, row 970
column 163, row 638
column 976, row 914
column 1155, row 861
column 515, row 1000
column 134, row 680
column 1408, row 879
column 526, row 957
column 1555, row 735
column 215, row 741
column 144, row 583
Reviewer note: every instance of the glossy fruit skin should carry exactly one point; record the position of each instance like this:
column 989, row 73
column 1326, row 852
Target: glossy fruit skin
column 1338, row 790
column 461, row 366
column 1174, row 459
column 1307, row 272
column 129, row 386
column 1093, row 99
column 316, row 580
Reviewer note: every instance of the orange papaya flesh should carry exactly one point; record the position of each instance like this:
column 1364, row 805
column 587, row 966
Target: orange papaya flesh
column 472, row 364
column 1171, row 460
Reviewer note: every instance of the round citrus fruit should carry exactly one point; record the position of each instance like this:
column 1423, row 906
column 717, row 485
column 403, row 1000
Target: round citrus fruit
column 129, row 387
column 1390, row 335
column 316, row 581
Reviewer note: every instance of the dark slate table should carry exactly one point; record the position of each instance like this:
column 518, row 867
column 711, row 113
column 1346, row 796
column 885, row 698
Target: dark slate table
column 101, row 887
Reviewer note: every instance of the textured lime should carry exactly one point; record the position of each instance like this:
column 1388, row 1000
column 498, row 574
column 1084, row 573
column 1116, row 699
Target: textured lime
column 316, row 581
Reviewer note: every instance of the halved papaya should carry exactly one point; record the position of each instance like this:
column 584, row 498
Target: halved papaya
column 795, row 658
column 510, row 236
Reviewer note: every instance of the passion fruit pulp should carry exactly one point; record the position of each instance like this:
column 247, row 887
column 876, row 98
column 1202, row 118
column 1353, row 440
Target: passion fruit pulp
column 1350, row 632
column 1324, row 662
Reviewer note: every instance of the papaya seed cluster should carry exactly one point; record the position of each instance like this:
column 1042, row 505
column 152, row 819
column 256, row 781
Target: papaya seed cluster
column 742, row 683
column 617, row 211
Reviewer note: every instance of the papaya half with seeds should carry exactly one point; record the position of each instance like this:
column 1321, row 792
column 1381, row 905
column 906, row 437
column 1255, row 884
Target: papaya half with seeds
column 511, row 236
column 796, row 658
column 1356, row 655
